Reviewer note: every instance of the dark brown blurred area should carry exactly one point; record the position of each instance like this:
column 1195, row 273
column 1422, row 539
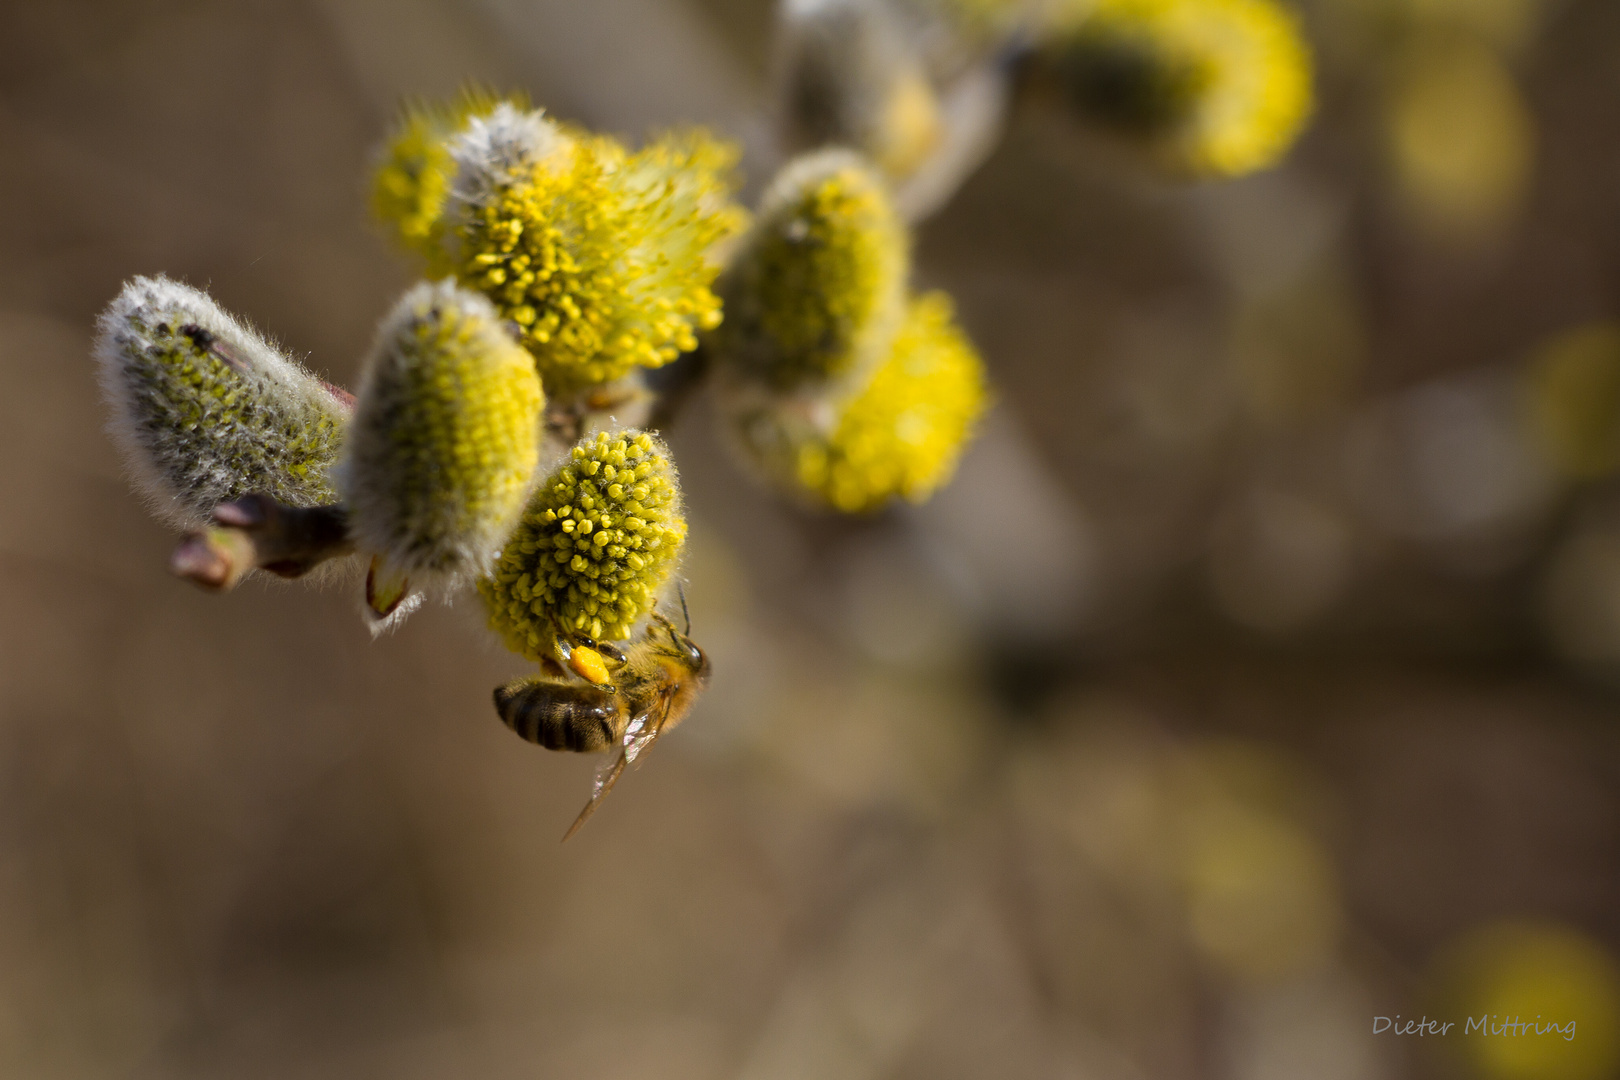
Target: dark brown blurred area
column 1256, row 663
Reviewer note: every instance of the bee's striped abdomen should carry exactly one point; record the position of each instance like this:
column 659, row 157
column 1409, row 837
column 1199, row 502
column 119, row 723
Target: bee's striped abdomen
column 561, row 715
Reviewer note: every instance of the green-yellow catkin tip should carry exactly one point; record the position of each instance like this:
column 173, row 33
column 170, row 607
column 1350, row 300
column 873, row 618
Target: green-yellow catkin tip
column 899, row 437
column 446, row 437
column 603, row 258
column 596, row 543
column 206, row 410
column 411, row 182
column 818, row 290
column 1213, row 88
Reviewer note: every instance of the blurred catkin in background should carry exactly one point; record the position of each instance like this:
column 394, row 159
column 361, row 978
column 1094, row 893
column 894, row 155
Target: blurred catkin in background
column 1252, row 678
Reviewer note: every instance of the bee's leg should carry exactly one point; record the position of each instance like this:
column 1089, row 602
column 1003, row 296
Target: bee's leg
column 585, row 659
column 612, row 652
column 564, row 650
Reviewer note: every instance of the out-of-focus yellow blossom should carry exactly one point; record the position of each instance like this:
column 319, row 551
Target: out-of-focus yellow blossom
column 1461, row 136
column 1207, row 87
column 603, row 258
column 818, row 292
column 1543, row 1001
column 597, row 541
column 1260, row 893
column 898, row 437
column 1573, row 391
column 415, row 169
column 445, row 439
column 852, row 77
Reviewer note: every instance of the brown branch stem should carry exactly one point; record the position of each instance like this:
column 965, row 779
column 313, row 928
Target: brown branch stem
column 257, row 532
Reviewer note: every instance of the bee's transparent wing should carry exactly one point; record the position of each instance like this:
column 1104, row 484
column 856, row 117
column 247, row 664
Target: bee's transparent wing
column 639, row 734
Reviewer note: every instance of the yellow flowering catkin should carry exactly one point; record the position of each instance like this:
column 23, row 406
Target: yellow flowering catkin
column 1206, row 87
column 597, row 541
column 206, row 410
column 603, row 258
column 817, row 292
column 411, row 183
column 445, row 440
column 899, row 437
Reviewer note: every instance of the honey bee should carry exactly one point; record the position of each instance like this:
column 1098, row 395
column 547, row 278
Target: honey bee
column 625, row 699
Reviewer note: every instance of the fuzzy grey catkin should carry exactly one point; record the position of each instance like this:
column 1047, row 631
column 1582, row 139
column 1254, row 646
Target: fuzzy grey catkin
column 445, row 440
column 205, row 410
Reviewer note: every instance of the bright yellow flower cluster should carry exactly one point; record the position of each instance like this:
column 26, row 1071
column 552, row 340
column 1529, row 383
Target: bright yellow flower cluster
column 815, row 295
column 1208, row 87
column 835, row 384
column 446, row 436
column 902, row 435
column 596, row 543
column 899, row 436
column 415, row 169
column 602, row 257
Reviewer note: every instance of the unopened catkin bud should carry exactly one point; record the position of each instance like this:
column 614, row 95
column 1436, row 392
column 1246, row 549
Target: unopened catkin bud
column 898, row 438
column 818, row 290
column 850, row 77
column 445, row 440
column 596, row 543
column 206, row 410
column 1206, row 88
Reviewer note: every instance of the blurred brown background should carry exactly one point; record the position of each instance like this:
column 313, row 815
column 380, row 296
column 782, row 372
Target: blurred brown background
column 1258, row 665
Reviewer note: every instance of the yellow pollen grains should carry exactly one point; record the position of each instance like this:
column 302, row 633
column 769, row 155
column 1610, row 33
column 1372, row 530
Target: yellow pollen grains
column 601, row 257
column 1208, row 88
column 902, row 435
column 597, row 541
column 411, row 182
column 446, row 437
column 818, row 289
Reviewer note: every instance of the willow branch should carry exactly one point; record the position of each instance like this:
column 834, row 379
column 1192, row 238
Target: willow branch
column 256, row 532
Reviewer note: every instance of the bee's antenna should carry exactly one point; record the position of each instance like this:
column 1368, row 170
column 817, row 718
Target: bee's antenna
column 680, row 590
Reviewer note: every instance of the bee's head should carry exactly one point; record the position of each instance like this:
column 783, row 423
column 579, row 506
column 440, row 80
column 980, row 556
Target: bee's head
column 677, row 645
column 693, row 657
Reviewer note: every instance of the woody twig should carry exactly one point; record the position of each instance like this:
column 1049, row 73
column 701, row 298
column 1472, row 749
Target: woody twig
column 256, row 532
